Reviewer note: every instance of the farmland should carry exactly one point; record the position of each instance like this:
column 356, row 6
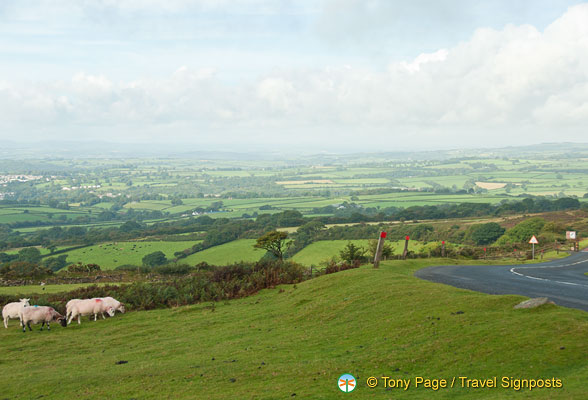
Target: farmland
column 97, row 193
column 110, row 255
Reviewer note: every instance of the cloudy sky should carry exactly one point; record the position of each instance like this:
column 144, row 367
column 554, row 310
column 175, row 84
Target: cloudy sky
column 299, row 75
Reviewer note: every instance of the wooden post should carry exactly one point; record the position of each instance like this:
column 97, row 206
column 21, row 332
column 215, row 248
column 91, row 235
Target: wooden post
column 405, row 252
column 379, row 249
column 443, row 248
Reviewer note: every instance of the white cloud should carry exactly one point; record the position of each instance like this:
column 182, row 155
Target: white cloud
column 507, row 86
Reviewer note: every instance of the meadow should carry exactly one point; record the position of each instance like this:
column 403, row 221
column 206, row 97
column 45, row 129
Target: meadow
column 228, row 253
column 296, row 340
column 113, row 254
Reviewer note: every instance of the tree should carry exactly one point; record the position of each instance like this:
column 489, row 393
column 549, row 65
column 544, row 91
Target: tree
column 29, row 254
column 352, row 253
column 387, row 250
column 274, row 242
column 154, row 259
column 486, row 233
column 311, row 228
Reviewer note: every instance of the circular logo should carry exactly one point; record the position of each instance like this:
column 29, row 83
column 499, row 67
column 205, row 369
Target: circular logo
column 346, row 383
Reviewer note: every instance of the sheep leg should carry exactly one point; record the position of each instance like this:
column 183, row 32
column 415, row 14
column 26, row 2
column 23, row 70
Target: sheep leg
column 6, row 322
column 79, row 319
column 48, row 327
column 23, row 326
column 70, row 318
column 29, row 326
column 42, row 325
column 103, row 317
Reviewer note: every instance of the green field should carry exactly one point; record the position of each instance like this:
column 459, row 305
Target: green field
column 110, row 255
column 228, row 253
column 31, row 289
column 323, row 250
column 296, row 340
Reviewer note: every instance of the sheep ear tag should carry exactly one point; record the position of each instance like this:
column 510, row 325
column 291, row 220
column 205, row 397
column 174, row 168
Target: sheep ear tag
column 35, row 305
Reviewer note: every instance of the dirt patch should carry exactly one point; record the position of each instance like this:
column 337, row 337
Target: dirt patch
column 490, row 185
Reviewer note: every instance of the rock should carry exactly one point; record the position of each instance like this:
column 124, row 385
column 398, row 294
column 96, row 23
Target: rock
column 532, row 303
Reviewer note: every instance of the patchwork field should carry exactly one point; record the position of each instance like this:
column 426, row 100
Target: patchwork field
column 228, row 253
column 364, row 322
column 111, row 255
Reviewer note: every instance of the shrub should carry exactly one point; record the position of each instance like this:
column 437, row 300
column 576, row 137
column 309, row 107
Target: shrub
column 23, row 269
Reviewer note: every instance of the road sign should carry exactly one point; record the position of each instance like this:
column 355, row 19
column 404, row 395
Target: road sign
column 533, row 241
column 571, row 235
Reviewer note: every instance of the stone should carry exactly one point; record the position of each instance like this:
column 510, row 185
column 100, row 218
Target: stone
column 532, row 303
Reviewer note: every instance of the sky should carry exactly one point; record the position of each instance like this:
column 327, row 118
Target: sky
column 299, row 76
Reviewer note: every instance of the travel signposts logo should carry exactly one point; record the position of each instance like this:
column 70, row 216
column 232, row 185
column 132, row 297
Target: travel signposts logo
column 346, row 383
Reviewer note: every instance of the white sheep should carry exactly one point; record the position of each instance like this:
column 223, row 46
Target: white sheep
column 43, row 314
column 68, row 307
column 89, row 307
column 11, row 310
column 114, row 303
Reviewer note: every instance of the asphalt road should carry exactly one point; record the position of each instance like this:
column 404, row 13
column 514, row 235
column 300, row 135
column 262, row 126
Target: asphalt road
column 563, row 281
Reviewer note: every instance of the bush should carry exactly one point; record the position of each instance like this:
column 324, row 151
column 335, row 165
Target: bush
column 173, row 269
column 154, row 259
column 83, row 268
column 133, row 268
column 23, row 269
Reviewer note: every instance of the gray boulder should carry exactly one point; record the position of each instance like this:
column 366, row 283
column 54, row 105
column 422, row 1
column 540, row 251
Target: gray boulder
column 532, row 303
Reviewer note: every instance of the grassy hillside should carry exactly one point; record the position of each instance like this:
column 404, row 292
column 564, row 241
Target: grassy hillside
column 111, row 255
column 228, row 253
column 296, row 340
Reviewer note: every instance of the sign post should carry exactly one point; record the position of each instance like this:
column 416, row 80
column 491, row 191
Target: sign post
column 571, row 235
column 405, row 252
column 534, row 241
column 379, row 249
column 443, row 248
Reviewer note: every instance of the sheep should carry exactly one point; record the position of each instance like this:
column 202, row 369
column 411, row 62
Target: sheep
column 89, row 307
column 42, row 314
column 114, row 303
column 11, row 310
column 68, row 307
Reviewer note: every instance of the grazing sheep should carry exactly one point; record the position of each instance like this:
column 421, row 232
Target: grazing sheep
column 42, row 314
column 89, row 307
column 114, row 303
column 11, row 310
column 68, row 307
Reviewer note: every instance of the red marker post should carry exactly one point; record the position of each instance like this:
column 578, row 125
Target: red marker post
column 484, row 252
column 443, row 248
column 405, row 252
column 379, row 249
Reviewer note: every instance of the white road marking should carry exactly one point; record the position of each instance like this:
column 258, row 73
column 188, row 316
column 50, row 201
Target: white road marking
column 550, row 266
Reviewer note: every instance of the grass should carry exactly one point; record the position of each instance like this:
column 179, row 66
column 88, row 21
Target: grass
column 323, row 250
column 34, row 289
column 228, row 253
column 111, row 255
column 299, row 339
